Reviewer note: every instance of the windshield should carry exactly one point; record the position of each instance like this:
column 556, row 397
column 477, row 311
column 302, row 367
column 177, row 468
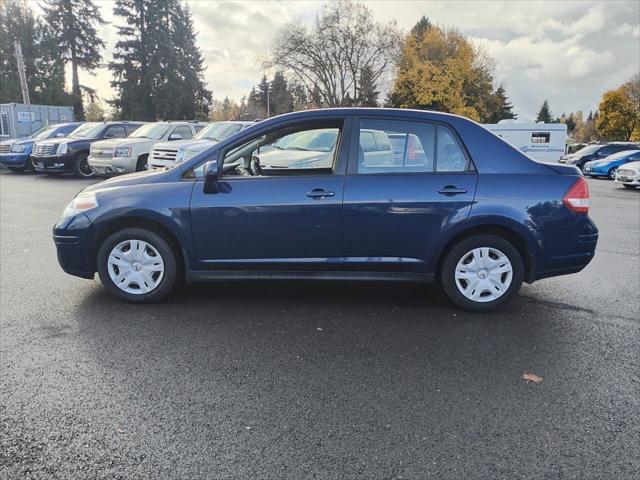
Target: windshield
column 154, row 131
column 88, row 130
column 323, row 140
column 218, row 131
column 588, row 150
column 44, row 132
column 622, row 154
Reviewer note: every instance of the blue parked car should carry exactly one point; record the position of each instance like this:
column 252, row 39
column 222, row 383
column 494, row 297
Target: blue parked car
column 607, row 166
column 446, row 201
column 16, row 154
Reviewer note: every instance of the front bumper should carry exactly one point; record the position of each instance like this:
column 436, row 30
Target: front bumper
column 53, row 163
column 594, row 172
column 628, row 179
column 14, row 159
column 112, row 166
column 73, row 238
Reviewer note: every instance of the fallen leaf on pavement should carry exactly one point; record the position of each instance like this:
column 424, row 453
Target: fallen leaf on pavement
column 531, row 377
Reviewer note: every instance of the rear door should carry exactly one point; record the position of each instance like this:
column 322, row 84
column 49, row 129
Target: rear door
column 397, row 207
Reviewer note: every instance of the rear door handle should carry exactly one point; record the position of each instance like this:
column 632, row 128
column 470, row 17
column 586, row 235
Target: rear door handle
column 318, row 193
column 452, row 190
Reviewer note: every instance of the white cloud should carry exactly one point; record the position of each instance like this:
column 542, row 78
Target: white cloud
column 567, row 51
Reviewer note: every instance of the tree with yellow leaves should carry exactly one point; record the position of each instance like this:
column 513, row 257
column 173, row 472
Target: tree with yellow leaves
column 441, row 70
column 618, row 116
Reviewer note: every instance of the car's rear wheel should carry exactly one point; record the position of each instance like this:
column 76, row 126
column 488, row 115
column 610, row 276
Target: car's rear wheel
column 612, row 174
column 81, row 166
column 143, row 163
column 482, row 273
column 137, row 265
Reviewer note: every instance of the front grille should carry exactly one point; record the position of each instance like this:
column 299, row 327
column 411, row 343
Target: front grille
column 102, row 152
column 43, row 149
column 5, row 148
column 164, row 154
column 625, row 173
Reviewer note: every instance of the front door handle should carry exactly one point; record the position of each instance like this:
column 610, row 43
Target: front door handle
column 452, row 190
column 318, row 193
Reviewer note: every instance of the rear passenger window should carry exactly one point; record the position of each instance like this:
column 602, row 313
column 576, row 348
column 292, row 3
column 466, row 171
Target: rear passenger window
column 396, row 147
column 450, row 156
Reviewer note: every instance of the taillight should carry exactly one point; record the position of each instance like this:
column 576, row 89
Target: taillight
column 577, row 198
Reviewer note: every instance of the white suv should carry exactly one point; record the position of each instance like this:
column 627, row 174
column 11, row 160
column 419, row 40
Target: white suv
column 167, row 153
column 126, row 155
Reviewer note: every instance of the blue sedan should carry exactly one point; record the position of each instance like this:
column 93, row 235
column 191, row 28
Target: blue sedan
column 446, row 201
column 607, row 166
column 15, row 154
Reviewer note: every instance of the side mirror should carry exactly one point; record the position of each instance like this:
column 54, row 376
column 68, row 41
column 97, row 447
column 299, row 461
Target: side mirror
column 175, row 136
column 210, row 171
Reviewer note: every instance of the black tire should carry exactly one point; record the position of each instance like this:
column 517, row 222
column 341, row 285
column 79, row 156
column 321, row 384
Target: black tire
column 142, row 164
column 17, row 169
column 159, row 243
column 612, row 174
column 461, row 249
column 81, row 168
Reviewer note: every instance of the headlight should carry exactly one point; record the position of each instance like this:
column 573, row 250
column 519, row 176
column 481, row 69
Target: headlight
column 122, row 152
column 62, row 149
column 18, row 148
column 180, row 156
column 82, row 203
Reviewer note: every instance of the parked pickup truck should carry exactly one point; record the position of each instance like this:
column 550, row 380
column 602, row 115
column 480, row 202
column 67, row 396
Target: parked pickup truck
column 167, row 153
column 69, row 155
column 115, row 157
column 15, row 154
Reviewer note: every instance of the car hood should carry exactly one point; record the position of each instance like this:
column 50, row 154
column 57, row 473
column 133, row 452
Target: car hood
column 635, row 166
column 137, row 178
column 198, row 145
column 127, row 142
column 58, row 141
column 177, row 143
column 292, row 158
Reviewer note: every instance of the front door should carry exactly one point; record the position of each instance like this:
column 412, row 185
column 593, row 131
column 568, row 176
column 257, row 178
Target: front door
column 409, row 182
column 278, row 204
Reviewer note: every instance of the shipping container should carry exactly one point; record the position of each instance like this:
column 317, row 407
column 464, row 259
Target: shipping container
column 18, row 120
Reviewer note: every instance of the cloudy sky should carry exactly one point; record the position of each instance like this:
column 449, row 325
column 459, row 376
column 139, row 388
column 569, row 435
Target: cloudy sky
column 567, row 51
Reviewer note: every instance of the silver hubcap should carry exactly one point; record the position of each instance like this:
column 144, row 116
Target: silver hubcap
column 135, row 267
column 483, row 274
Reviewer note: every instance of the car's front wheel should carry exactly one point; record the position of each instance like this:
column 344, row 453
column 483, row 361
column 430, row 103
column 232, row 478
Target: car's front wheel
column 612, row 174
column 81, row 166
column 482, row 273
column 137, row 265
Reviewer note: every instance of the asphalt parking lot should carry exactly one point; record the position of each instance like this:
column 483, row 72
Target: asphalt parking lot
column 307, row 380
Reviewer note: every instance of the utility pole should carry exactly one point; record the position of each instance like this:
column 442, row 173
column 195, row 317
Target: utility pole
column 22, row 74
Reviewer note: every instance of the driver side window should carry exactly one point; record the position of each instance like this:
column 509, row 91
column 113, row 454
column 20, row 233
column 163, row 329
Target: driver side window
column 300, row 150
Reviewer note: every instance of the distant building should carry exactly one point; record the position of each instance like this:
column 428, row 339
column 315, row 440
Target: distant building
column 18, row 120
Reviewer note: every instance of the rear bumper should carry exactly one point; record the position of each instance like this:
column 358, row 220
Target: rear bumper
column 566, row 251
column 73, row 238
column 53, row 164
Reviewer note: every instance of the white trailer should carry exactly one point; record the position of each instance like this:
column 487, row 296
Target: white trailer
column 541, row 141
column 18, row 120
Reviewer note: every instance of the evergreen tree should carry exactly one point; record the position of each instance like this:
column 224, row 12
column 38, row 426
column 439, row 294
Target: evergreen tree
column 545, row 115
column 158, row 69
column 44, row 64
column 421, row 27
column 263, row 95
column 502, row 108
column 368, row 94
column 74, row 22
column 281, row 98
